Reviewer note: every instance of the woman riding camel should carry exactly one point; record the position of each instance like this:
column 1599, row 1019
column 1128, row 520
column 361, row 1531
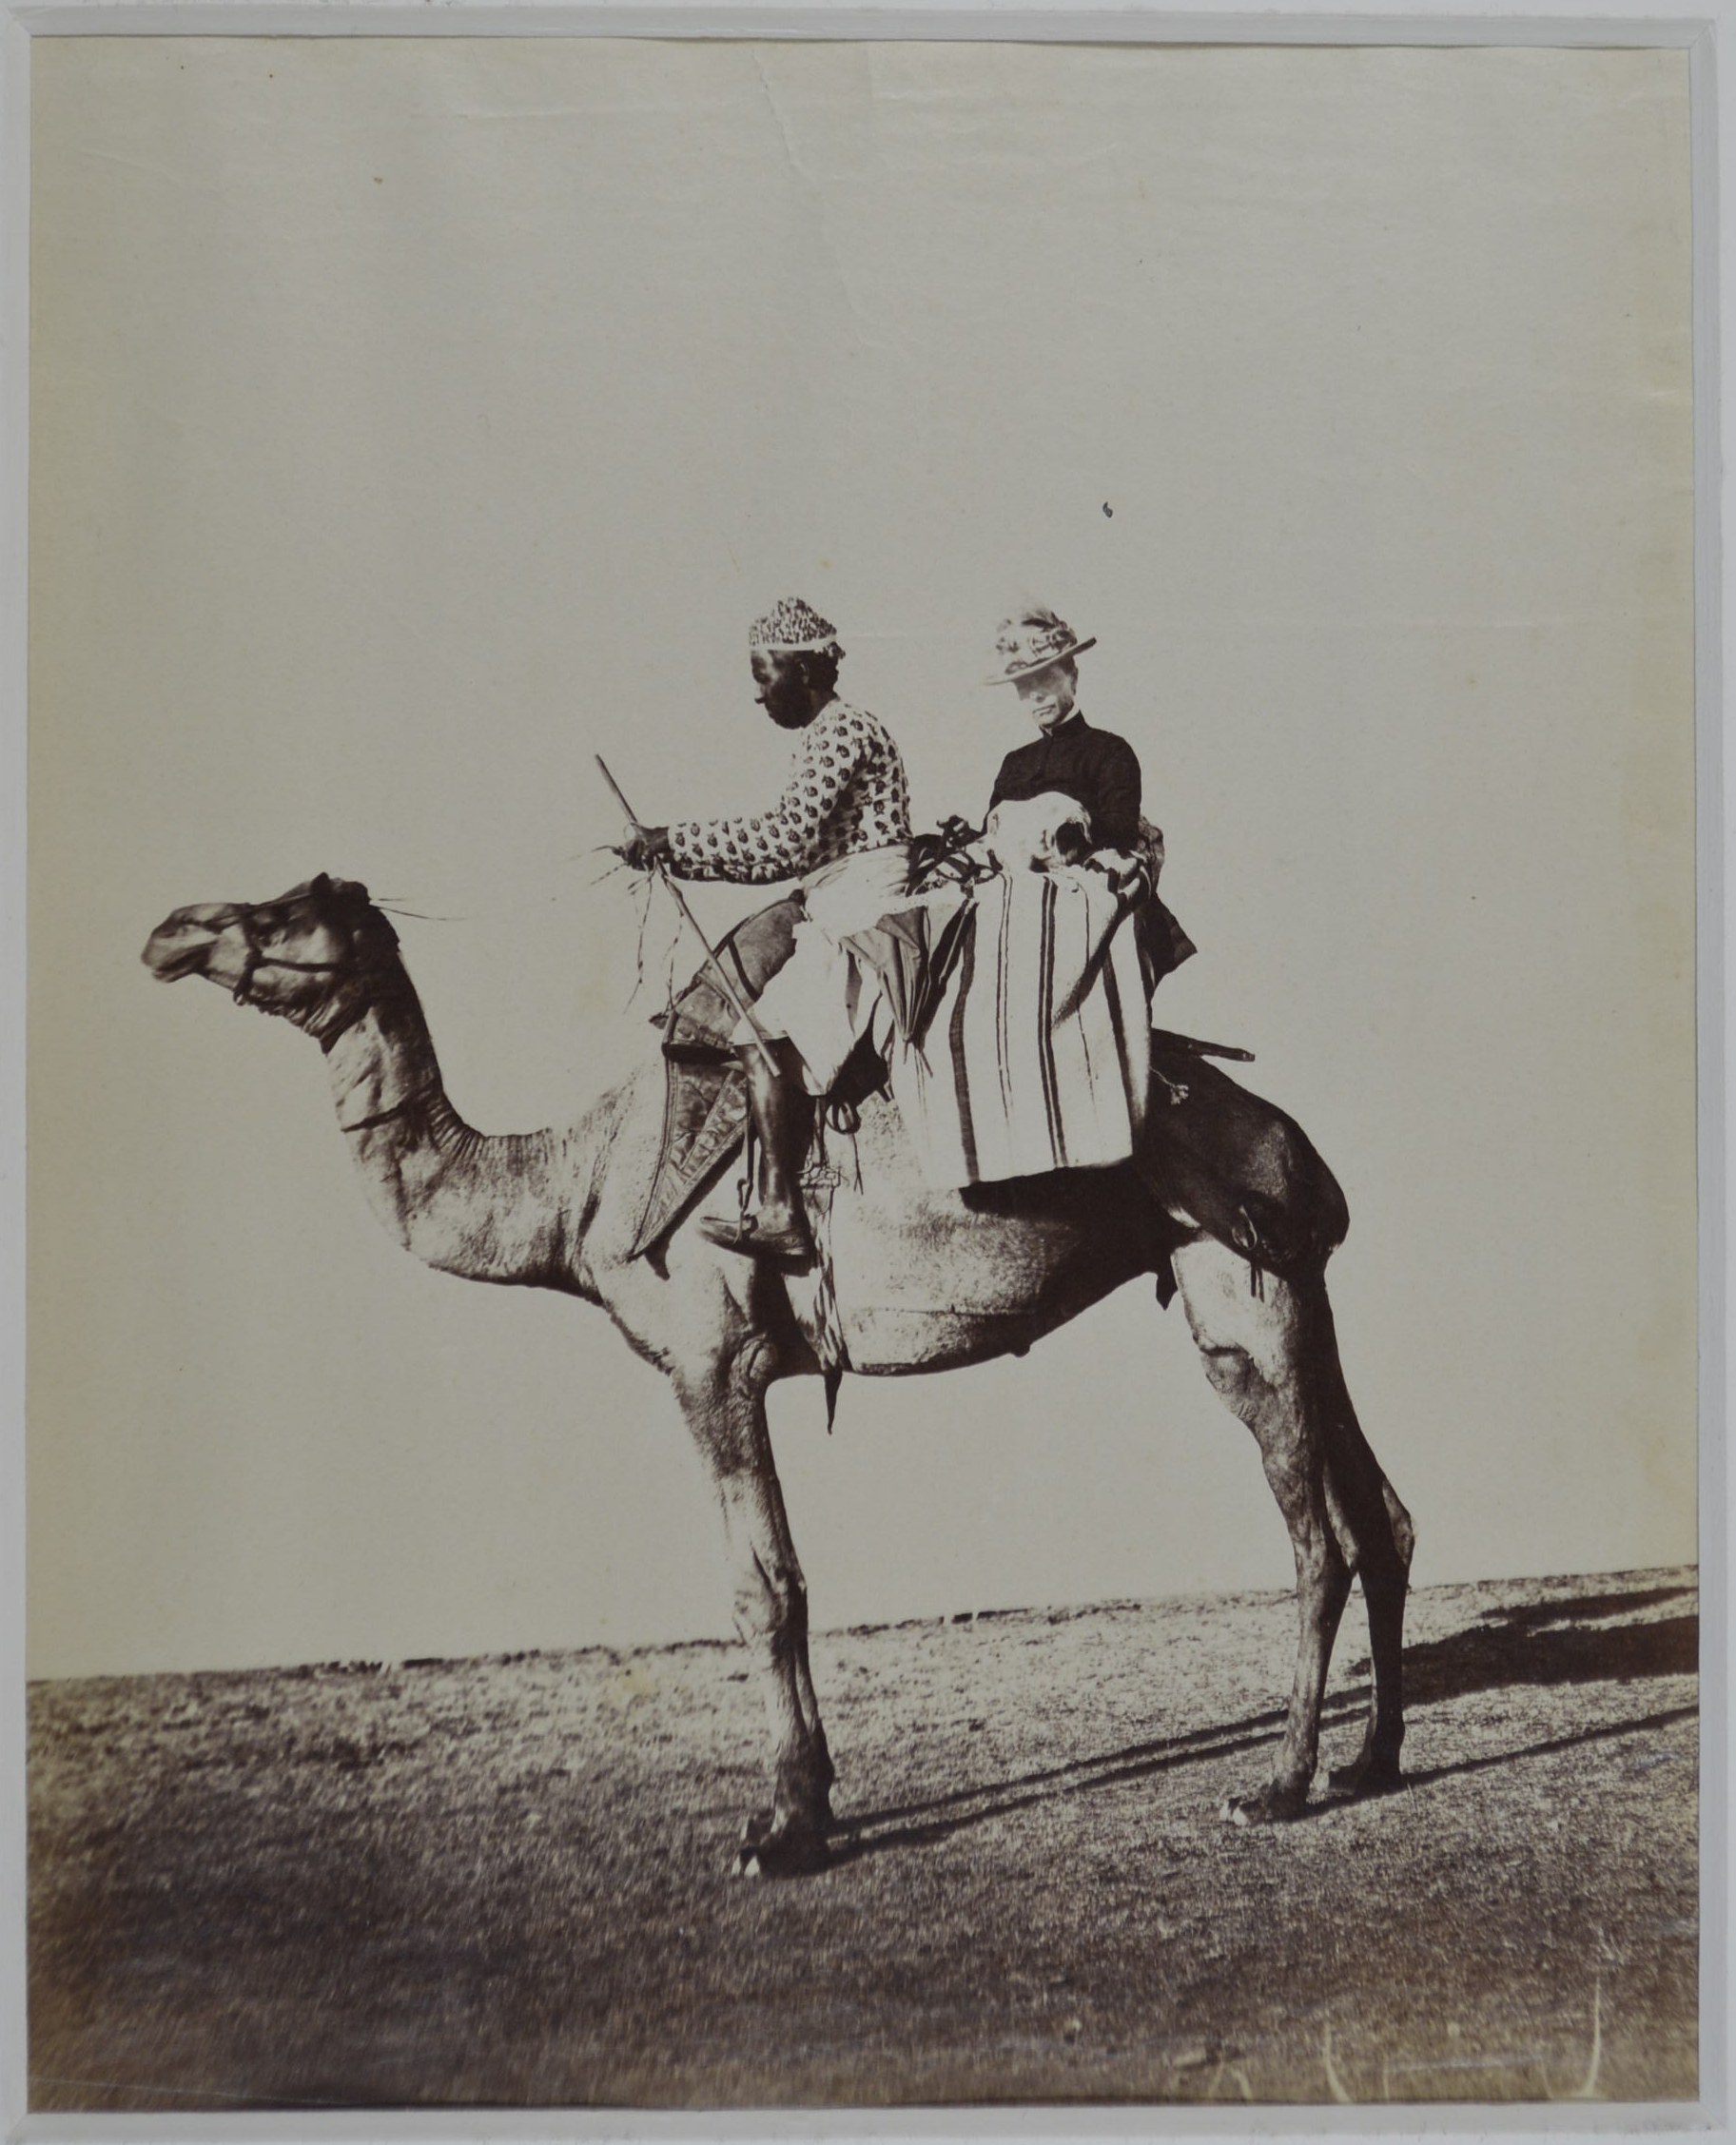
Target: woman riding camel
column 1072, row 765
column 843, row 828
column 1039, row 653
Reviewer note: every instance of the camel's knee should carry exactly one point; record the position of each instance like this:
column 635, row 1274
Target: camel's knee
column 1372, row 1531
column 1344, row 1528
column 1403, row 1525
column 771, row 1605
column 1378, row 1540
column 1323, row 1573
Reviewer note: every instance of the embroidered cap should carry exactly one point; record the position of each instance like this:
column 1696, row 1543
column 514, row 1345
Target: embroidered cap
column 792, row 627
column 1032, row 641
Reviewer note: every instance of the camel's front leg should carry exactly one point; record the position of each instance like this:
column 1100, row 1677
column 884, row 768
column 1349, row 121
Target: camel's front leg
column 1255, row 1346
column 728, row 1414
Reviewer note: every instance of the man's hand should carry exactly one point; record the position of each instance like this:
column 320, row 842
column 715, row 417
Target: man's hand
column 645, row 847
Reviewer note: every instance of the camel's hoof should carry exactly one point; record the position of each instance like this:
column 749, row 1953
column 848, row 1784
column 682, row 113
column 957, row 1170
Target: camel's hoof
column 1365, row 1778
column 1275, row 1804
column 770, row 1850
column 760, row 1824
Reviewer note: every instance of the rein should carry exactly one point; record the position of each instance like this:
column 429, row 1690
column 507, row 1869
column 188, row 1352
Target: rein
column 397, row 1110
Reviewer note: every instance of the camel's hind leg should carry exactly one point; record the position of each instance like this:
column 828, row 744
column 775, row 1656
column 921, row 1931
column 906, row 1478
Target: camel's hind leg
column 1377, row 1538
column 727, row 1411
column 1269, row 1351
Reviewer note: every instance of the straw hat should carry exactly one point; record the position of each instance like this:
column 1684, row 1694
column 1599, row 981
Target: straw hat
column 1033, row 641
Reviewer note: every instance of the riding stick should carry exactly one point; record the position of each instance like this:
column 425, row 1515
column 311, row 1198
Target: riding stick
column 737, row 1003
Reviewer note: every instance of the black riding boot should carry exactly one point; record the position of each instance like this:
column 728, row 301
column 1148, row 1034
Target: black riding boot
column 782, row 1119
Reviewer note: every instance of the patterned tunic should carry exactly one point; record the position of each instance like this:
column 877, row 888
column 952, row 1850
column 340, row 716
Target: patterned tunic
column 847, row 794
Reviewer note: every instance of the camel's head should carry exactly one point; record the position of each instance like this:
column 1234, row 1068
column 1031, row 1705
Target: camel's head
column 311, row 955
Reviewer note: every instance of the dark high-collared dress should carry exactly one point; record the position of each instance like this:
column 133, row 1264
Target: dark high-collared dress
column 1097, row 768
column 1102, row 772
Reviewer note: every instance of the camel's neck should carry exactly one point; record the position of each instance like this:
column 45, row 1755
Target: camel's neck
column 490, row 1209
column 383, row 1060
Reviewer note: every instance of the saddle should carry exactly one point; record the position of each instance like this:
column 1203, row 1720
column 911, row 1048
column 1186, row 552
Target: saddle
column 1246, row 1172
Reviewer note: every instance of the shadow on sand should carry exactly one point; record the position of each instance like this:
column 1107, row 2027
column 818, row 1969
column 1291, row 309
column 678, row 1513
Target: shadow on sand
column 1569, row 1640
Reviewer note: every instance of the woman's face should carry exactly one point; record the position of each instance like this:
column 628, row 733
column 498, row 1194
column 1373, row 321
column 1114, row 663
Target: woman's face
column 1047, row 696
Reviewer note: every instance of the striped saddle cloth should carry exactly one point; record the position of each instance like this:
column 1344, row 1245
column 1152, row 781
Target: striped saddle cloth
column 1021, row 1022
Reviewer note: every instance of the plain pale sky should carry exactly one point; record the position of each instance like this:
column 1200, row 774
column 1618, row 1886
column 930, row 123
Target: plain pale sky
column 412, row 420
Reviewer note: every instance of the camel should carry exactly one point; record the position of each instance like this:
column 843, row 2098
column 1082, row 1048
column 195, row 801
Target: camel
column 925, row 1281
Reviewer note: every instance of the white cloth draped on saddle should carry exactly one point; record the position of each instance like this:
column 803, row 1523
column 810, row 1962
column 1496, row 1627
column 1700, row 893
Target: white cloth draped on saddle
column 820, row 998
column 1021, row 1024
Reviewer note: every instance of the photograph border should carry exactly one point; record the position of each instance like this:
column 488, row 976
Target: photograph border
column 1712, row 132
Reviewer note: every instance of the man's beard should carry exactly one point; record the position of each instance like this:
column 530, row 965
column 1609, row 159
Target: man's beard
column 789, row 705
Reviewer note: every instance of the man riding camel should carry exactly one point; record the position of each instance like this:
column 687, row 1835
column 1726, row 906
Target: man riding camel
column 842, row 825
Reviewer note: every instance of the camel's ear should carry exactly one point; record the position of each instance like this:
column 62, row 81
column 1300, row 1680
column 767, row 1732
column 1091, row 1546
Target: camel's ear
column 321, row 886
column 350, row 892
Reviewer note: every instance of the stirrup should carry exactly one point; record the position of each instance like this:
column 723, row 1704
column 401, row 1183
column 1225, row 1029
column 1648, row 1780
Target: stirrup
column 747, row 1237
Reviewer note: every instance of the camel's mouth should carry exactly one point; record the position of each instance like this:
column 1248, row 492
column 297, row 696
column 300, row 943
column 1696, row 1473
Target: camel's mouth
column 181, row 944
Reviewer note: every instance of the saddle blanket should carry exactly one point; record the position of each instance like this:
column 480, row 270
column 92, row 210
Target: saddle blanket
column 1021, row 1026
column 955, row 970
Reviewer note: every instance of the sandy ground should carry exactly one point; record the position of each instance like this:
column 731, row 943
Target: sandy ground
column 506, row 1881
